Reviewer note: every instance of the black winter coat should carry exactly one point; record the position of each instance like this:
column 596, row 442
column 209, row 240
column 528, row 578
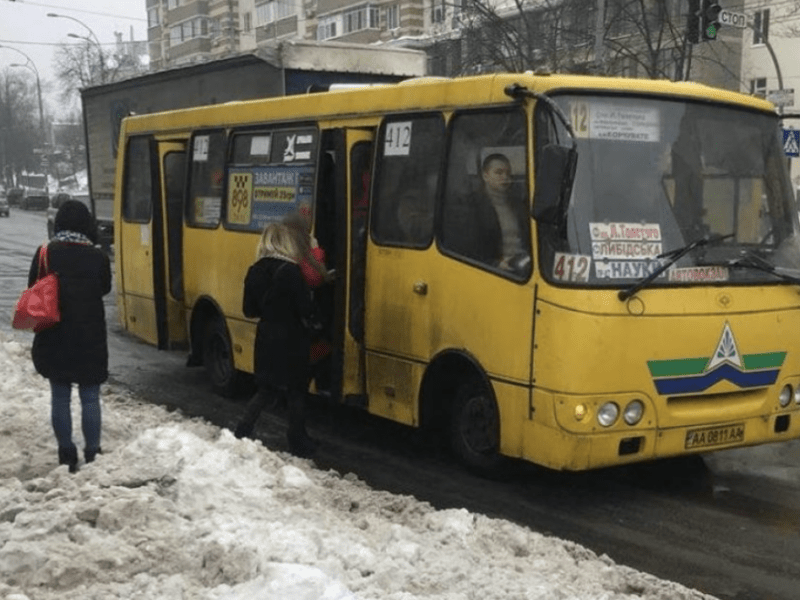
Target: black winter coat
column 276, row 293
column 476, row 228
column 75, row 350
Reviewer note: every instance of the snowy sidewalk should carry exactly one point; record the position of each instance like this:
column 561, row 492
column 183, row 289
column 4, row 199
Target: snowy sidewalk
column 177, row 509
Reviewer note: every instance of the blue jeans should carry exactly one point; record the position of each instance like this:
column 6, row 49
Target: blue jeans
column 91, row 418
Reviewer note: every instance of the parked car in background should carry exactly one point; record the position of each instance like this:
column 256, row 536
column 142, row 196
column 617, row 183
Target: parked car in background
column 4, row 210
column 35, row 199
column 15, row 196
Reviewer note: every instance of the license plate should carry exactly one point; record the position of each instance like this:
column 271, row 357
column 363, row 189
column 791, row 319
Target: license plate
column 715, row 436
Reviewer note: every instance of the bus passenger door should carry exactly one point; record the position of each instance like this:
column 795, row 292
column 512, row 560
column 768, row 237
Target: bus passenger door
column 148, row 240
column 169, row 300
column 401, row 285
column 356, row 172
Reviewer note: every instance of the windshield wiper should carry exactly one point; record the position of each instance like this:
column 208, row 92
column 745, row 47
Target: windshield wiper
column 753, row 261
column 673, row 256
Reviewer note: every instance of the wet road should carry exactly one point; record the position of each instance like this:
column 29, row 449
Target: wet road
column 728, row 525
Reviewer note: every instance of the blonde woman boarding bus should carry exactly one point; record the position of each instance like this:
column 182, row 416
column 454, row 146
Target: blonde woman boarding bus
column 276, row 293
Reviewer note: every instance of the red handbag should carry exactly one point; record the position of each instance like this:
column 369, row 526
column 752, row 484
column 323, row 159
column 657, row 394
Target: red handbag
column 37, row 307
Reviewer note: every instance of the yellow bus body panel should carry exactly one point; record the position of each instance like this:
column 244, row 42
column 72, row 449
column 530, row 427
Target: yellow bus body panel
column 206, row 277
column 589, row 353
column 488, row 318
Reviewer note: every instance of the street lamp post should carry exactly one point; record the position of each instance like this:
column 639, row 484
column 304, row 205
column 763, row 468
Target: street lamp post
column 92, row 39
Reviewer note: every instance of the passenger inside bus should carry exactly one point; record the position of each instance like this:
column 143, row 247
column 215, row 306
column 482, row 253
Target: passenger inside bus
column 495, row 218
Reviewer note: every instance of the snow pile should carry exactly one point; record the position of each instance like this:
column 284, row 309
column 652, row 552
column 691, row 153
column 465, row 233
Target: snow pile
column 179, row 509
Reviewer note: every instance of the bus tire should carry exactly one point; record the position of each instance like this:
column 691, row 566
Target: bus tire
column 218, row 359
column 475, row 430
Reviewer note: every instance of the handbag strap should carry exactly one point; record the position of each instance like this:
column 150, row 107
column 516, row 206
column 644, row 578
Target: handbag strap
column 43, row 261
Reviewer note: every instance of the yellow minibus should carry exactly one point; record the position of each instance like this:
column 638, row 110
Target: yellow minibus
column 576, row 271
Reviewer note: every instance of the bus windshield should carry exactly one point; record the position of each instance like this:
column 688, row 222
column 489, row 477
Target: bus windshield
column 655, row 175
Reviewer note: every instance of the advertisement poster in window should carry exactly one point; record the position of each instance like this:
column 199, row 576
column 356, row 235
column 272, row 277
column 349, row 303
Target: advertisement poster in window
column 260, row 195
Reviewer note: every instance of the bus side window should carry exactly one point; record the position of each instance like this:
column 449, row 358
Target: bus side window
column 206, row 165
column 137, row 194
column 407, row 176
column 486, row 207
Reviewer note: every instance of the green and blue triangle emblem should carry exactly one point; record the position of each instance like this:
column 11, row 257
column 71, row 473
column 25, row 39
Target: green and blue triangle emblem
column 695, row 375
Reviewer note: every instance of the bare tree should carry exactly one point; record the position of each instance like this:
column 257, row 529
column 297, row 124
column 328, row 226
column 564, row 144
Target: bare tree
column 75, row 67
column 650, row 34
column 525, row 34
column 88, row 64
column 20, row 131
column 640, row 37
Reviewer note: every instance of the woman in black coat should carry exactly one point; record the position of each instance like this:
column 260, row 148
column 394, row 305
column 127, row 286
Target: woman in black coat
column 276, row 293
column 75, row 351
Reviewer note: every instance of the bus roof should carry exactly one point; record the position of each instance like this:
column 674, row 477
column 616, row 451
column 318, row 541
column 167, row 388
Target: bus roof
column 425, row 93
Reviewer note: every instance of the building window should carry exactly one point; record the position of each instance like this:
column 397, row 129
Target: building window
column 363, row 17
column 438, row 13
column 326, row 29
column 393, row 16
column 273, row 11
column 172, row 4
column 152, row 17
column 193, row 28
column 758, row 87
column 761, row 27
column 247, row 22
column 283, row 10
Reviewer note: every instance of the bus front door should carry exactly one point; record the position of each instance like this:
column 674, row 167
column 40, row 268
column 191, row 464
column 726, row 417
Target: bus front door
column 149, row 239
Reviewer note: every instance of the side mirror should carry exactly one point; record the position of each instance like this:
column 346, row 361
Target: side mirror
column 555, row 174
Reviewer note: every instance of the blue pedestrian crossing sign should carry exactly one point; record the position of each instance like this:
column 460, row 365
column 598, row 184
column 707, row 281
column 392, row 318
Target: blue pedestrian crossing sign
column 791, row 142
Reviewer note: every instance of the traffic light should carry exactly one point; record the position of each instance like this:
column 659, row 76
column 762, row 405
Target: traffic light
column 709, row 19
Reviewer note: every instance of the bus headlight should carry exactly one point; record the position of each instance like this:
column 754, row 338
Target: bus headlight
column 785, row 396
column 797, row 396
column 607, row 414
column 633, row 412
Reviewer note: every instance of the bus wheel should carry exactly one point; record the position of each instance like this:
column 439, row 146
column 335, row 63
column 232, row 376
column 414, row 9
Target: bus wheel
column 475, row 430
column 218, row 359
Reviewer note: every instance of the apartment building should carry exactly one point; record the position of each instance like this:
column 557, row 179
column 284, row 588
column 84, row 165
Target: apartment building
column 191, row 31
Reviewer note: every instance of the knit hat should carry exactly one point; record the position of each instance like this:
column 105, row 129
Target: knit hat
column 73, row 215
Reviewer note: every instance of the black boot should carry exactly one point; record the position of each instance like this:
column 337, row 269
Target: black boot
column 68, row 456
column 90, row 453
column 243, row 430
column 300, row 444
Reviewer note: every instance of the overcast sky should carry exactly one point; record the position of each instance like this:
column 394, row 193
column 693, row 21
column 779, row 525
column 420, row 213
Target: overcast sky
column 25, row 26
